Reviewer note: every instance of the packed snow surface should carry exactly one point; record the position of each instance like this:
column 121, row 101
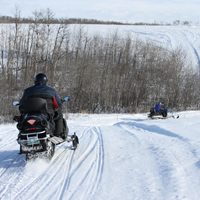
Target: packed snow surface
column 120, row 156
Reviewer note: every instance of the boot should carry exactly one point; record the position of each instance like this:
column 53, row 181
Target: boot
column 65, row 133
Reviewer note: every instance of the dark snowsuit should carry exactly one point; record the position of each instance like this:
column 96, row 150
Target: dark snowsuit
column 54, row 103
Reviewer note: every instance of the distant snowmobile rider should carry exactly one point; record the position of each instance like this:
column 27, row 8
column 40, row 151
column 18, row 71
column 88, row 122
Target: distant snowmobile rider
column 40, row 89
column 160, row 108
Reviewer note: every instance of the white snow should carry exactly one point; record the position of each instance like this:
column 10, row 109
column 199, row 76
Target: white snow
column 186, row 38
column 120, row 156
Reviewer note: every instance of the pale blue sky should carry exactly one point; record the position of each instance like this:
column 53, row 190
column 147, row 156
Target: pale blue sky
column 110, row 10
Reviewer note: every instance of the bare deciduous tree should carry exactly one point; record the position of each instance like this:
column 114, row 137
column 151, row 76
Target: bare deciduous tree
column 100, row 74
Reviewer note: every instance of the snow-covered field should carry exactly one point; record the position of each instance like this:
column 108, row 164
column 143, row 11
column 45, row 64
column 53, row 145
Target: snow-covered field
column 186, row 38
column 120, row 156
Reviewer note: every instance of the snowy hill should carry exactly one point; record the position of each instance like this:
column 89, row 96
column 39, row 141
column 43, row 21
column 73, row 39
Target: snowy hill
column 186, row 38
column 120, row 156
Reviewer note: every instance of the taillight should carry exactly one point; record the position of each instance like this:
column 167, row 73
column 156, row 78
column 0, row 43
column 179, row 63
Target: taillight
column 31, row 121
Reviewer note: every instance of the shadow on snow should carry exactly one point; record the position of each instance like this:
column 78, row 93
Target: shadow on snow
column 151, row 128
column 11, row 159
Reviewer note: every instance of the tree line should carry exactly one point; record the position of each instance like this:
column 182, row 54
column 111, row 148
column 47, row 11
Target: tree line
column 41, row 18
column 100, row 74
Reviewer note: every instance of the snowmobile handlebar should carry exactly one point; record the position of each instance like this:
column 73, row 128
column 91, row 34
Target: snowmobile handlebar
column 65, row 99
column 16, row 103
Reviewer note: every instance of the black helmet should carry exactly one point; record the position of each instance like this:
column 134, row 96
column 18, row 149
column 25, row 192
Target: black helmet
column 41, row 79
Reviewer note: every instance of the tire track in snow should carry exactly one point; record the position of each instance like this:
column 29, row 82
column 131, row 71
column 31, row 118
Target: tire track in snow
column 7, row 166
column 99, row 166
column 192, row 46
column 66, row 180
column 18, row 190
column 8, row 176
column 145, row 176
column 174, row 176
column 7, row 142
column 36, row 181
column 91, row 176
column 71, row 163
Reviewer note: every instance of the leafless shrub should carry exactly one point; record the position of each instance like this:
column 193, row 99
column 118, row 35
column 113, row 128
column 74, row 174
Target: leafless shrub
column 101, row 75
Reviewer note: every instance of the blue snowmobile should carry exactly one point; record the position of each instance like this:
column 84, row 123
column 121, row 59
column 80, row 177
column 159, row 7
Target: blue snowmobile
column 160, row 112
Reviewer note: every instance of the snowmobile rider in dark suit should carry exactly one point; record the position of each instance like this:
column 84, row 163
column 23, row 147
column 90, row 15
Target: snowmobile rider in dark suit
column 54, row 102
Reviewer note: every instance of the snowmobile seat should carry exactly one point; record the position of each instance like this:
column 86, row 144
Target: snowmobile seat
column 33, row 105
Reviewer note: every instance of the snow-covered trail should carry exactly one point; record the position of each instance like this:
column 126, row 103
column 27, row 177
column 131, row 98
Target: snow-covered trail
column 119, row 157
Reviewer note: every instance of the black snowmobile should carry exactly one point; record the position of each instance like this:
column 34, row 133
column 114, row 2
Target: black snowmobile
column 36, row 129
column 161, row 114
